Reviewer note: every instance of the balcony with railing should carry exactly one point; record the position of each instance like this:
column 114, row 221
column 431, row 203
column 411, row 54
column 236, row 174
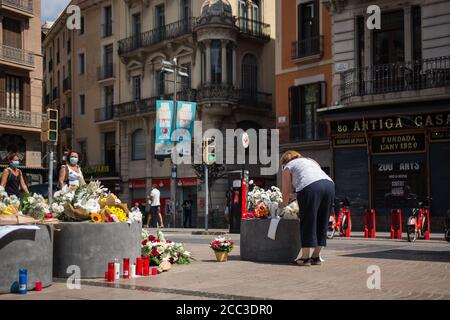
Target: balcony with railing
column 397, row 77
column 105, row 72
column 104, row 114
column 217, row 92
column 308, row 132
column 157, row 35
column 256, row 99
column 310, row 48
column 67, row 84
column 65, row 123
column 254, row 29
column 24, row 7
column 16, row 56
column 21, row 118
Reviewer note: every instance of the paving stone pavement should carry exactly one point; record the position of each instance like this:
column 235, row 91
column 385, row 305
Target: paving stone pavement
column 408, row 271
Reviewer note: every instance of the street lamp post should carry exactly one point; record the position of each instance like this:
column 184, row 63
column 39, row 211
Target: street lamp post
column 173, row 67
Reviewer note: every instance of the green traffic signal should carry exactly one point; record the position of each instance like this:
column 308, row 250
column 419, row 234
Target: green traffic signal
column 53, row 136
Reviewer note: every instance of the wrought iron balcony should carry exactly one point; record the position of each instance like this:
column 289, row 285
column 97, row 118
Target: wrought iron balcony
column 106, row 71
column 306, row 48
column 67, row 84
column 396, row 77
column 221, row 92
column 22, row 5
column 255, row 99
column 135, row 107
column 65, row 123
column 157, row 35
column 307, row 132
column 21, row 118
column 104, row 114
column 16, row 55
column 254, row 28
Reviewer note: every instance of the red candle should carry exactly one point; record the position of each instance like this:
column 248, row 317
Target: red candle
column 111, row 272
column 139, row 266
column 146, row 262
column 106, row 276
column 126, row 268
column 38, row 286
column 154, row 272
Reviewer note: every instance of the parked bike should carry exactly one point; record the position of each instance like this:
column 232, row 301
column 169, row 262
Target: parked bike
column 447, row 226
column 342, row 223
column 417, row 221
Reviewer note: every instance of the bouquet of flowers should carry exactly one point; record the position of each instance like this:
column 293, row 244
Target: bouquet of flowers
column 222, row 244
column 36, row 206
column 9, row 205
column 160, row 250
column 264, row 202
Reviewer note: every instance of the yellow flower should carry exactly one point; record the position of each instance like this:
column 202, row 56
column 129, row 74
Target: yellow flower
column 10, row 210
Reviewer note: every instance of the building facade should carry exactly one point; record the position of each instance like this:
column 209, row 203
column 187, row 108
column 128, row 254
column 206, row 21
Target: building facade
column 226, row 47
column 304, row 77
column 389, row 121
column 21, row 86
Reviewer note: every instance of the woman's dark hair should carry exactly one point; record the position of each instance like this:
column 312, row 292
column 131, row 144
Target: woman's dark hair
column 12, row 156
column 72, row 152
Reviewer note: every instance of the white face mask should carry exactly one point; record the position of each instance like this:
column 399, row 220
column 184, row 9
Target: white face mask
column 74, row 161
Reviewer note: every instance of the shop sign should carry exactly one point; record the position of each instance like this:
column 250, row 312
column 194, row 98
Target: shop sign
column 349, row 141
column 399, row 143
column 391, row 123
column 102, row 169
column 440, row 135
column 137, row 184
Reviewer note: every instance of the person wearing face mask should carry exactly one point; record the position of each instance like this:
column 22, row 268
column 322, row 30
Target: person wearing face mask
column 12, row 178
column 70, row 173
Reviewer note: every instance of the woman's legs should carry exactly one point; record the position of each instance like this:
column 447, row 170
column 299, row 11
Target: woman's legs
column 323, row 215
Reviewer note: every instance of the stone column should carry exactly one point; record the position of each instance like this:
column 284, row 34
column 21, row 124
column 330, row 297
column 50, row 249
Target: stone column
column 408, row 34
column 224, row 62
column 234, row 69
column 197, row 68
column 208, row 61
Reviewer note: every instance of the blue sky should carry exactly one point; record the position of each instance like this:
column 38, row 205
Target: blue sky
column 52, row 8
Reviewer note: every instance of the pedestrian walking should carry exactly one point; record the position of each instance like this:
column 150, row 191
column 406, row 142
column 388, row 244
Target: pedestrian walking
column 187, row 208
column 155, row 207
column 12, row 178
column 315, row 192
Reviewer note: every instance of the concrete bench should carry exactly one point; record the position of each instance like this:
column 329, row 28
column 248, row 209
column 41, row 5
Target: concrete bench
column 26, row 249
column 91, row 246
column 256, row 246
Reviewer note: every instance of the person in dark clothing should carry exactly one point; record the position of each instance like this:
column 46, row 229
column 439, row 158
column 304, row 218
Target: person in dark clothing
column 315, row 193
column 187, row 207
column 12, row 178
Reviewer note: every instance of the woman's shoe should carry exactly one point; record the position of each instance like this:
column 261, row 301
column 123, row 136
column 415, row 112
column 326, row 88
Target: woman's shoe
column 304, row 262
column 316, row 261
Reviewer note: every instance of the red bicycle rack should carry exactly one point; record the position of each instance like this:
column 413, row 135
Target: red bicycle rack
column 396, row 224
column 369, row 224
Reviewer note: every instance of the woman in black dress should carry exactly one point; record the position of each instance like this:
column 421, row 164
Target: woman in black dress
column 12, row 178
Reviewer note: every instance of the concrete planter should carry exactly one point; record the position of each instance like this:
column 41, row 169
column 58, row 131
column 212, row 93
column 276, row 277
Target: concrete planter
column 91, row 246
column 26, row 249
column 256, row 246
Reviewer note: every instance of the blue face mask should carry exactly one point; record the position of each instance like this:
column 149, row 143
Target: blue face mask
column 74, row 161
column 15, row 163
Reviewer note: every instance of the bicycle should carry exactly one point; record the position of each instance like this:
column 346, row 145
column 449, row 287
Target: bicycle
column 343, row 223
column 417, row 221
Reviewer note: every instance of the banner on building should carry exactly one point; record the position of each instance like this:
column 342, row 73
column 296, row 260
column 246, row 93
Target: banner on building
column 164, row 128
column 185, row 126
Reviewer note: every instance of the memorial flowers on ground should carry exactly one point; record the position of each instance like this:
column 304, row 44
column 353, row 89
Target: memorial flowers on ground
column 263, row 203
column 222, row 244
column 159, row 250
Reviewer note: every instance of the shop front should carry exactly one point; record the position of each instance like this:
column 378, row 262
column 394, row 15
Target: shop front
column 392, row 162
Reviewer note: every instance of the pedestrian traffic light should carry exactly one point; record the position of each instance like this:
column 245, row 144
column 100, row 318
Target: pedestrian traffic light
column 209, row 151
column 50, row 127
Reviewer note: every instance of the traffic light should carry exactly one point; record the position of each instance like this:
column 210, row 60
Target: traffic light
column 209, row 151
column 50, row 127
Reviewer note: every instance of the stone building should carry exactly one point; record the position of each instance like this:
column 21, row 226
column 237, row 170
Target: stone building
column 21, row 86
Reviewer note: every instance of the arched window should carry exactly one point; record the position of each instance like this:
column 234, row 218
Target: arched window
column 249, row 71
column 138, row 145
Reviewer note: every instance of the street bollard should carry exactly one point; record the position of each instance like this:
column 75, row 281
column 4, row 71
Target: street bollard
column 369, row 224
column 396, row 224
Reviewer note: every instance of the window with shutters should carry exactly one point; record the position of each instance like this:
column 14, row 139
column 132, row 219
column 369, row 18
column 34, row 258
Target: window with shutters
column 138, row 145
column 12, row 33
column 303, row 104
column 309, row 41
column 13, row 94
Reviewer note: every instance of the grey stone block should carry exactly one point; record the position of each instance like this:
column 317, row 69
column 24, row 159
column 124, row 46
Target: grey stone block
column 26, row 249
column 256, row 246
column 91, row 246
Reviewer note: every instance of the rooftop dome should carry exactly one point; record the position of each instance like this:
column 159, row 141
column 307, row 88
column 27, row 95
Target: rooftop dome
column 216, row 8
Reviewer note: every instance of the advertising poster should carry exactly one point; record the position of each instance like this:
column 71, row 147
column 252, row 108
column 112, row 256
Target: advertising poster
column 164, row 128
column 185, row 126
